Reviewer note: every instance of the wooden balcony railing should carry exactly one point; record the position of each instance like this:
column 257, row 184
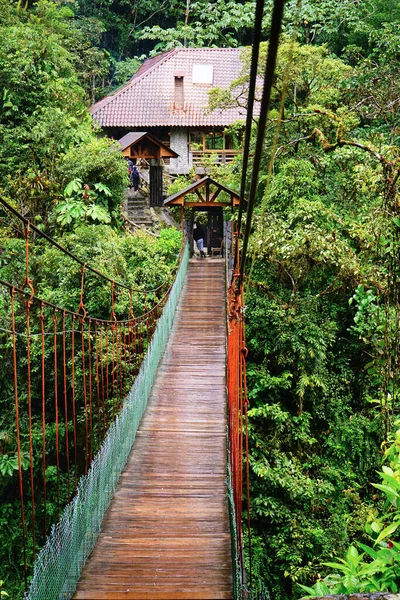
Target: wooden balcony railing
column 219, row 157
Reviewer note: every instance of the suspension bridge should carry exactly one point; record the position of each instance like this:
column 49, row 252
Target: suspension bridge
column 148, row 413
column 138, row 442
column 166, row 533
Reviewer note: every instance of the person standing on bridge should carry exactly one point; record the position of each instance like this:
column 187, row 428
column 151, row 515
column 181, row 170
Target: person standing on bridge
column 198, row 236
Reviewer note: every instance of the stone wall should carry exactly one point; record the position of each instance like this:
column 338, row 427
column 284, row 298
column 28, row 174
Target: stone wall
column 179, row 143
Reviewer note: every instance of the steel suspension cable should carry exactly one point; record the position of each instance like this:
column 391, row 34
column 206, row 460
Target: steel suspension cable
column 276, row 134
column 268, row 81
column 249, row 116
column 72, row 256
column 237, row 351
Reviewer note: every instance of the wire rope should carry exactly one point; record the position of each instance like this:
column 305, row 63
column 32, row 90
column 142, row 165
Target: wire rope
column 44, row 235
column 266, row 95
column 250, row 109
column 277, row 131
column 141, row 318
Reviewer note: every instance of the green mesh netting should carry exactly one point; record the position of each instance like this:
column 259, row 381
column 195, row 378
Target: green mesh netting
column 236, row 567
column 58, row 567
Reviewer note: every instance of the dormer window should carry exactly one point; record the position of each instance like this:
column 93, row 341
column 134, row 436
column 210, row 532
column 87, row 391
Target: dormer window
column 203, row 74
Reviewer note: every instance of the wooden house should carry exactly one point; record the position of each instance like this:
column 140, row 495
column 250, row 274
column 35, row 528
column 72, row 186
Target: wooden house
column 168, row 98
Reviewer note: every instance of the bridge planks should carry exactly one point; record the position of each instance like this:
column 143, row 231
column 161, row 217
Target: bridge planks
column 166, row 534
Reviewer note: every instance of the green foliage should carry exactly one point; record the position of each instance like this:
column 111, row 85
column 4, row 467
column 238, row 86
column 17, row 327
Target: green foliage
column 9, row 464
column 378, row 568
column 316, row 325
column 3, row 593
column 81, row 203
column 308, row 73
column 98, row 164
column 207, row 23
column 45, row 129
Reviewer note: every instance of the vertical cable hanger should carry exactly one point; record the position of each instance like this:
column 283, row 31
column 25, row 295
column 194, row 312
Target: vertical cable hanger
column 43, row 394
column 55, row 318
column 73, row 400
column 64, row 361
column 28, row 305
column 18, row 431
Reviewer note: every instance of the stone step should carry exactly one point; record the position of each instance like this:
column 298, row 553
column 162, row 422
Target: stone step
column 133, row 194
column 135, row 216
column 137, row 201
column 138, row 206
column 140, row 219
column 138, row 209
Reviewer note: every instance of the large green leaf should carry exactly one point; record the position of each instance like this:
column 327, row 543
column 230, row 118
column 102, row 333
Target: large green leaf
column 387, row 531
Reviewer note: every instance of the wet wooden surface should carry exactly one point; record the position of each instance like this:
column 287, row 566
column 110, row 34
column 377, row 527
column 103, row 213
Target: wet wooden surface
column 166, row 533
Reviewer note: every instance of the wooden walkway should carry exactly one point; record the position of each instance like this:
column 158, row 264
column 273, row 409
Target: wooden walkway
column 166, row 533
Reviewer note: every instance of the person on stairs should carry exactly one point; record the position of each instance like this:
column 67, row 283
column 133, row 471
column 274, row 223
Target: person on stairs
column 198, row 236
column 129, row 164
column 135, row 178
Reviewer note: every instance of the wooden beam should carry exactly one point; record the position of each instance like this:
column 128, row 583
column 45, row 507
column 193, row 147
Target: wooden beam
column 214, row 196
column 179, row 197
column 206, row 204
column 199, row 195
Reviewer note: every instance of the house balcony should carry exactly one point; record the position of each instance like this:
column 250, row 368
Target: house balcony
column 200, row 158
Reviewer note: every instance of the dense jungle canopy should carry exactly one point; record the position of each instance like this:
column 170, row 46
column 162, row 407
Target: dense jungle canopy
column 322, row 288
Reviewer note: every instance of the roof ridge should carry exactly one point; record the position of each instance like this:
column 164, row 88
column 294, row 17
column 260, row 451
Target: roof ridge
column 206, row 49
column 167, row 55
column 105, row 101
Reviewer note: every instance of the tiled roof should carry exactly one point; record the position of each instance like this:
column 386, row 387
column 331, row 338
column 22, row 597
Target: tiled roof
column 147, row 100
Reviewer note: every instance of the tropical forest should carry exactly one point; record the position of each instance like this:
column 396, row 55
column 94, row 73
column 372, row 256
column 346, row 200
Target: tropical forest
column 321, row 512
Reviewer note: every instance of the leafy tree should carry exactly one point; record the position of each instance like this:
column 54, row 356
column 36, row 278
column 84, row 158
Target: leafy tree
column 211, row 24
column 44, row 124
column 376, row 568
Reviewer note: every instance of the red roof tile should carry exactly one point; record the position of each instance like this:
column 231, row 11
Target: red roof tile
column 147, row 100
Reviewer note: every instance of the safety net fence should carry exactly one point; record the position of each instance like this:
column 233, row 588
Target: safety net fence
column 237, row 574
column 59, row 564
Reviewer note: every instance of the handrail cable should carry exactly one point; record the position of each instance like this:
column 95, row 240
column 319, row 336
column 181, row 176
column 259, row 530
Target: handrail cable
column 268, row 81
column 34, row 298
column 28, row 222
column 249, row 116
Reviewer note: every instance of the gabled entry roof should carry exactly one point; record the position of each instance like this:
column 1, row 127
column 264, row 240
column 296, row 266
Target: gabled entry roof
column 207, row 190
column 142, row 144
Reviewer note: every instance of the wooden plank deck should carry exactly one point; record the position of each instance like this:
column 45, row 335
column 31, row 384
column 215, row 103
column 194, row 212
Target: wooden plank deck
column 166, row 533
